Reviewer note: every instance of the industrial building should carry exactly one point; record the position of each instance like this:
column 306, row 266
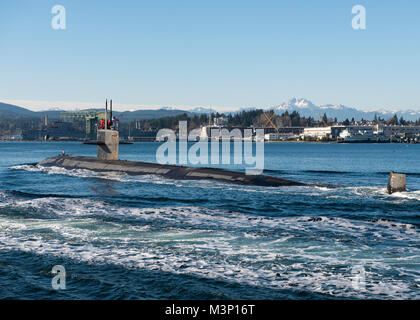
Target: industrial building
column 284, row 134
column 384, row 132
column 391, row 131
column 331, row 132
column 91, row 118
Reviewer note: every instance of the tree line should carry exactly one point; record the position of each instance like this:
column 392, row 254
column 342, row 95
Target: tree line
column 258, row 118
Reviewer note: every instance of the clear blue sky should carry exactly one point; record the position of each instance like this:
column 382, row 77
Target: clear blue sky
column 212, row 53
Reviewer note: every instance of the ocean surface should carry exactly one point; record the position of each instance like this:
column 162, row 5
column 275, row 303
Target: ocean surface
column 124, row 237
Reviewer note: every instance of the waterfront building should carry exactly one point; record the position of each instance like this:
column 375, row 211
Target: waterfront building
column 331, row 132
column 91, row 118
column 391, row 131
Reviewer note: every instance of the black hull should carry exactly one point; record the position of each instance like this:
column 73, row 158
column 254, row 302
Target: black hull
column 167, row 171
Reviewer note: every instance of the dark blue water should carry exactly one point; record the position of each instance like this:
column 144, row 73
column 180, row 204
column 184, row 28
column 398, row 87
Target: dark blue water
column 122, row 237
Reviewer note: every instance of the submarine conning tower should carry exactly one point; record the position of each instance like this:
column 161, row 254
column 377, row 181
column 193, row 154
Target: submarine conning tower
column 108, row 137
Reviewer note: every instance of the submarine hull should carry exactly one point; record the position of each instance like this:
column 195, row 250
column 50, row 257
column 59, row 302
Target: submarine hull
column 167, row 171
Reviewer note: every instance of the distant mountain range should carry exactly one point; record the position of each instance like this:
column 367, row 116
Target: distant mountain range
column 12, row 111
column 303, row 106
column 307, row 108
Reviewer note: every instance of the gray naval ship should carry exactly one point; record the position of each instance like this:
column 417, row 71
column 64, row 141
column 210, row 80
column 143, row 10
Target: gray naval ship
column 107, row 160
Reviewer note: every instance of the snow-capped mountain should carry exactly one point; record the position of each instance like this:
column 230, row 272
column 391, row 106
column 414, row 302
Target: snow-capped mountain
column 308, row 109
column 53, row 109
column 202, row 110
column 195, row 110
column 169, row 108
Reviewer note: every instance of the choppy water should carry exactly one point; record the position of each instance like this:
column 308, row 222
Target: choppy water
column 122, row 237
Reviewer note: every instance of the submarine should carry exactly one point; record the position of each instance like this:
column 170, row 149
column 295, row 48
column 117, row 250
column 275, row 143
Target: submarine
column 107, row 160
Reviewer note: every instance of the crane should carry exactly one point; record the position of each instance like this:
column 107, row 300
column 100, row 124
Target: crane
column 269, row 119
